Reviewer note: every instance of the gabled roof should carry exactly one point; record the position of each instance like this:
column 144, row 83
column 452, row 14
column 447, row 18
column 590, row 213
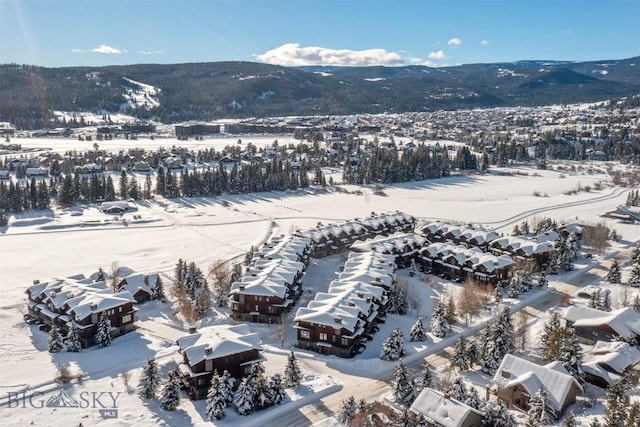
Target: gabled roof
column 617, row 355
column 556, row 380
column 441, row 410
column 263, row 286
column 329, row 315
column 218, row 341
column 87, row 304
column 624, row 321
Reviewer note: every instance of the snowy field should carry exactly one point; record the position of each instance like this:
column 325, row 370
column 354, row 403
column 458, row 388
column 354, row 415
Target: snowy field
column 59, row 243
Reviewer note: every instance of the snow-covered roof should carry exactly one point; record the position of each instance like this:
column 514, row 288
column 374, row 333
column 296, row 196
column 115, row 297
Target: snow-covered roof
column 263, row 286
column 367, row 277
column 86, row 304
column 514, row 370
column 617, row 355
column 218, row 341
column 624, row 321
column 358, row 288
column 135, row 283
column 329, row 315
column 441, row 410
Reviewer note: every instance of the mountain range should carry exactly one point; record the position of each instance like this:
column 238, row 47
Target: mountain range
column 207, row 91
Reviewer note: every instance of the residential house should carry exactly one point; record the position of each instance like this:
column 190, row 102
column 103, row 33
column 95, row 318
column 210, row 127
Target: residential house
column 593, row 325
column 516, row 380
column 219, row 348
column 440, row 411
column 608, row 362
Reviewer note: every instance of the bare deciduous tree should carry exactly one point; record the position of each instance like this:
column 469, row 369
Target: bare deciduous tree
column 596, row 237
column 521, row 330
column 115, row 275
column 282, row 329
column 471, row 300
column 624, row 296
column 219, row 273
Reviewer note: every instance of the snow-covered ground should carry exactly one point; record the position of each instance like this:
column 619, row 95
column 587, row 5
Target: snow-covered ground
column 60, row 243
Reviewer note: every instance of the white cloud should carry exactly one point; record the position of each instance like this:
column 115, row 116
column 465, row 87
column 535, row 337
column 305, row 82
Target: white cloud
column 103, row 48
column 437, row 55
column 420, row 61
column 484, row 42
column 76, row 50
column 291, row 54
column 454, row 42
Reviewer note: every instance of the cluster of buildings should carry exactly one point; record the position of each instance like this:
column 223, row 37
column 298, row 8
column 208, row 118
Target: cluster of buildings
column 461, row 251
column 341, row 320
column 337, row 238
column 273, row 282
column 80, row 301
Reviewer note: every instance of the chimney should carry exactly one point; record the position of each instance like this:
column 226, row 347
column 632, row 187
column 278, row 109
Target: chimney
column 338, row 319
column 192, row 329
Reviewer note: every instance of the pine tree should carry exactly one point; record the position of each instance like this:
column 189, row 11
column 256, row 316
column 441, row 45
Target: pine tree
column 636, row 303
column 276, row 389
column 457, row 390
column 157, row 291
column 438, row 322
column 227, row 382
column 594, row 301
column 262, row 396
column 617, row 405
column 427, row 378
column 216, row 399
column 634, row 275
column 633, row 418
column 570, row 421
column 244, row 398
column 540, row 411
column 498, row 291
column 292, row 374
column 473, row 353
column 418, row 331
column 605, row 302
column 73, row 340
column 460, row 359
column 542, row 281
column 347, row 410
column 149, row 380
column 473, row 399
column 55, row 340
column 497, row 416
column 450, row 312
column 499, row 342
column 571, row 354
column 103, row 335
column 401, row 386
column 171, row 392
column 393, row 347
column 615, row 274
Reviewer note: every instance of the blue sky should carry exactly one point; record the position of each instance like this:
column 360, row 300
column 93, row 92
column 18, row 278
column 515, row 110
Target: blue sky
column 56, row 33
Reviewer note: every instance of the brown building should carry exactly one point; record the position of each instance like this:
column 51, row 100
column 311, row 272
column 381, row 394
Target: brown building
column 219, row 348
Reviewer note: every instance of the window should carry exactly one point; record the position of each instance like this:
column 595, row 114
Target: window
column 126, row 318
column 305, row 335
column 323, row 336
column 345, row 341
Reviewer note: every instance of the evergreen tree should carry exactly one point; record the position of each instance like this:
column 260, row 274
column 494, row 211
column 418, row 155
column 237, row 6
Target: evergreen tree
column 226, row 383
column 473, row 353
column 124, row 185
column 160, row 182
column 73, row 340
column 634, row 275
column 393, row 347
column 157, row 291
column 401, row 386
column 460, row 359
column 457, row 390
column 605, row 303
column 542, row 281
column 171, row 392
column 244, row 398
column 498, row 291
column 570, row 421
column 450, row 312
column 262, row 396
column 617, row 405
column 347, row 410
column 571, row 354
column 615, row 274
column 103, row 335
column 633, row 418
column 550, row 338
column 497, row 416
column 216, row 399
column 149, row 380
column 292, row 374
column 418, row 331
column 55, row 340
column 540, row 411
column 500, row 341
column 473, row 399
column 276, row 389
column 427, row 378
column 636, row 303
column 438, row 322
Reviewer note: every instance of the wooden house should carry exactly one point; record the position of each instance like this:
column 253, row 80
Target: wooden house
column 441, row 411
